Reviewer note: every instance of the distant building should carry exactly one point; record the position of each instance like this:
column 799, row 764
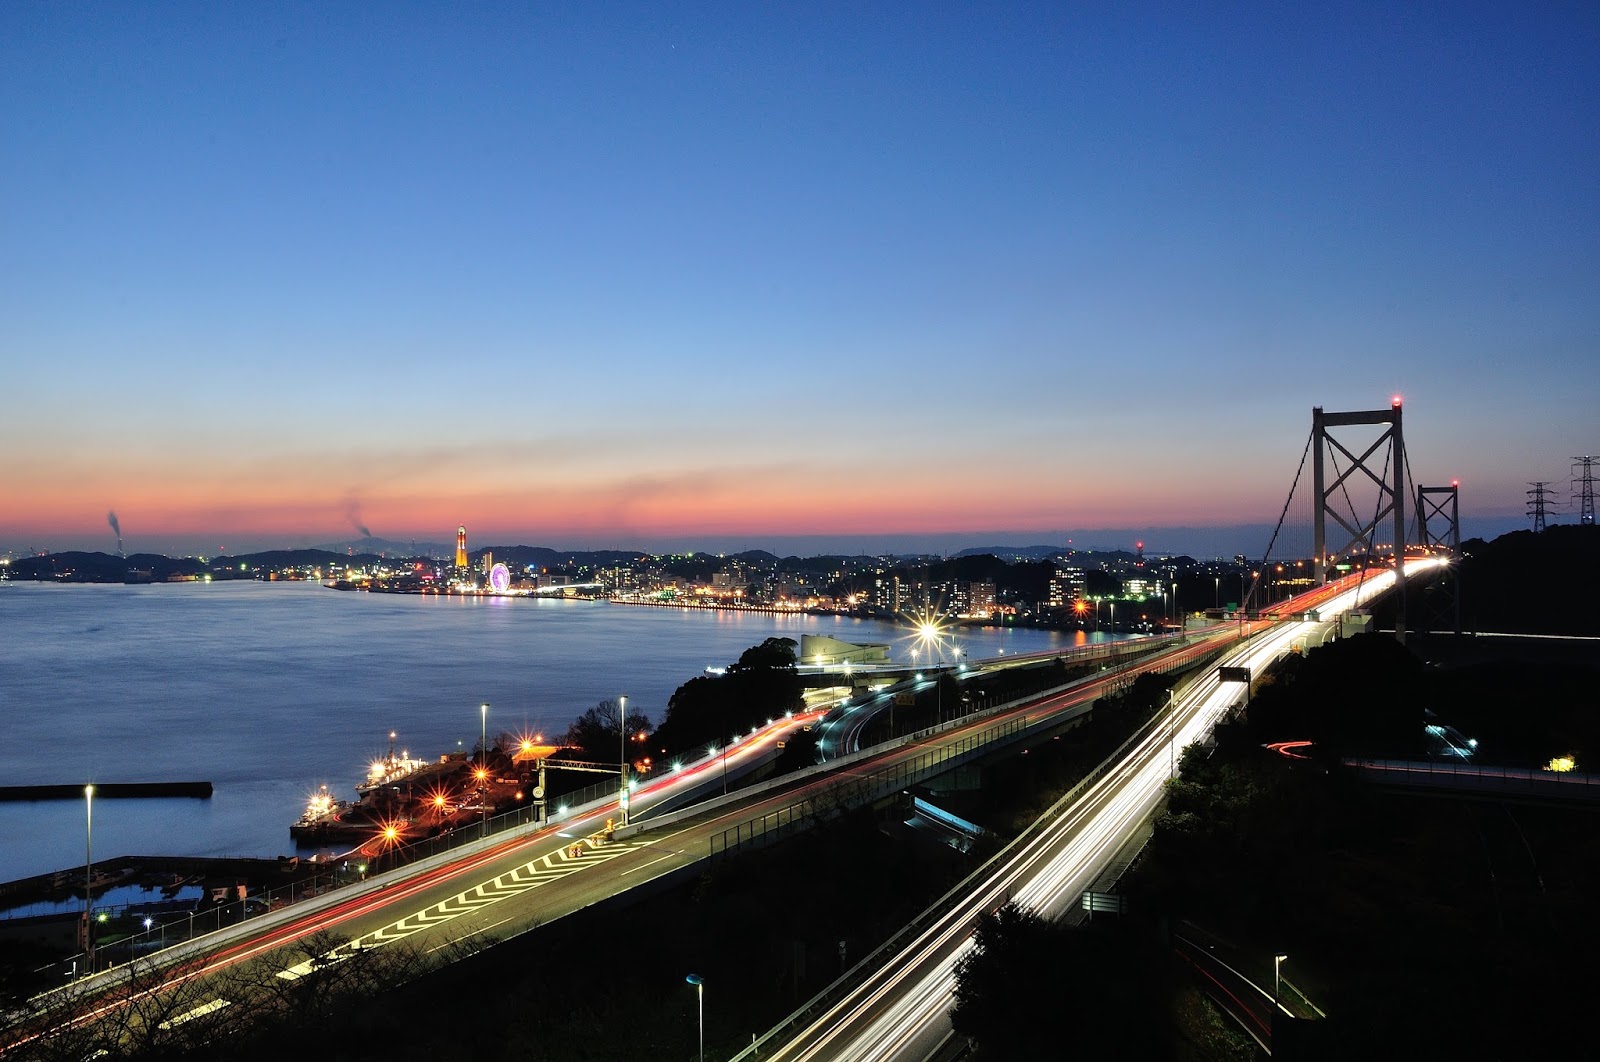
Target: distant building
column 820, row 649
column 1066, row 586
column 980, row 599
column 461, row 546
column 487, row 561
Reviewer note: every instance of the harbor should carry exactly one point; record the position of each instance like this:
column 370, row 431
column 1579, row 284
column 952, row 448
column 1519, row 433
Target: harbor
column 286, row 688
column 403, row 799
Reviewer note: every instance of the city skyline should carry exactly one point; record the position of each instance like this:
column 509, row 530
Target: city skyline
column 639, row 280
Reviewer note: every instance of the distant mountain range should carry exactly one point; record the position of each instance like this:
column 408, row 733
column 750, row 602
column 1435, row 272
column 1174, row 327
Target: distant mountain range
column 390, row 548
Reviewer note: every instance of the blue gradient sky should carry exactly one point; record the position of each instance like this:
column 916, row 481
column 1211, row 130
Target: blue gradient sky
column 606, row 275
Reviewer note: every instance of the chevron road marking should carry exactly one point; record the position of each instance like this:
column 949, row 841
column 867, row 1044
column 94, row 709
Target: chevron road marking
column 530, row 875
column 198, row 1012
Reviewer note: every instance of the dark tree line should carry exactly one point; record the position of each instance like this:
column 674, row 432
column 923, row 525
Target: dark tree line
column 761, row 685
column 1031, row 988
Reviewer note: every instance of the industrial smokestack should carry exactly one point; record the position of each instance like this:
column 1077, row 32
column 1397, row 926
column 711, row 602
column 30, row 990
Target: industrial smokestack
column 111, row 518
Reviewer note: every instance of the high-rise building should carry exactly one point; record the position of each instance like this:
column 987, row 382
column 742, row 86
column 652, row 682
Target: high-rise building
column 461, row 546
column 1066, row 586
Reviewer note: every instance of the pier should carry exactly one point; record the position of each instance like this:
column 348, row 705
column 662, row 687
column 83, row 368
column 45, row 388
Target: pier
column 108, row 791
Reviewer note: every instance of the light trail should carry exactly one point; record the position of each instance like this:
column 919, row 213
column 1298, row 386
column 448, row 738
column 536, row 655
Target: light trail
column 901, row 1011
column 185, row 965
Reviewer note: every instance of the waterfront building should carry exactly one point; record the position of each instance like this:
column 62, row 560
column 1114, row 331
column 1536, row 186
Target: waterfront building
column 461, row 546
column 1066, row 586
column 820, row 649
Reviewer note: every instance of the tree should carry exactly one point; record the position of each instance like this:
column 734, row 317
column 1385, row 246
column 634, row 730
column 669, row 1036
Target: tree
column 1357, row 696
column 1005, row 986
column 771, row 654
column 593, row 735
column 1031, row 988
column 709, row 709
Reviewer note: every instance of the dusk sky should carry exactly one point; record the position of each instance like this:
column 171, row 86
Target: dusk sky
column 623, row 275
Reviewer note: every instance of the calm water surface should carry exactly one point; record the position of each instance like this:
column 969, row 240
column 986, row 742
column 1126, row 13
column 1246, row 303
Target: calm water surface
column 270, row 689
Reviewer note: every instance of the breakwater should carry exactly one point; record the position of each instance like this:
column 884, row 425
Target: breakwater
column 108, row 791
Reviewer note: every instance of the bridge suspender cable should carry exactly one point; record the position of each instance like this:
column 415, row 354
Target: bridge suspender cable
column 1245, row 604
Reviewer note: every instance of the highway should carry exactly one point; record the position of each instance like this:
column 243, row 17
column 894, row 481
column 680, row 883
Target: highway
column 840, row 731
column 900, row 1010
column 510, row 883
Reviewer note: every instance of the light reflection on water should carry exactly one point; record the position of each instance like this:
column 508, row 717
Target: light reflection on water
column 270, row 689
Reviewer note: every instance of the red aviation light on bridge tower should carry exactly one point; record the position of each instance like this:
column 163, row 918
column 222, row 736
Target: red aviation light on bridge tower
column 1395, row 402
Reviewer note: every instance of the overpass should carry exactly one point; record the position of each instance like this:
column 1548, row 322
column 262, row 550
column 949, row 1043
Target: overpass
column 1477, row 779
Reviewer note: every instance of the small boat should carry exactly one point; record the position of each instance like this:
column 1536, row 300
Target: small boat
column 322, row 816
column 390, row 769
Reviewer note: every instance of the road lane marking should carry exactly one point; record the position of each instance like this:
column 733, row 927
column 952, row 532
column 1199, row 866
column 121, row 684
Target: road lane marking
column 198, row 1012
column 652, row 863
column 536, row 872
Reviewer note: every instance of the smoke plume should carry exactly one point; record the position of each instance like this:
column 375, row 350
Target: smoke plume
column 352, row 512
column 111, row 518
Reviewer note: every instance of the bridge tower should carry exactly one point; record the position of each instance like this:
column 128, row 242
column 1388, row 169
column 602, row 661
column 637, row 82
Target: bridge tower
column 1439, row 527
column 1445, row 532
column 1391, row 491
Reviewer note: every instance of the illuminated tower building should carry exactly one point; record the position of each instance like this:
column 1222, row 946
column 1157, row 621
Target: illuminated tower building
column 461, row 546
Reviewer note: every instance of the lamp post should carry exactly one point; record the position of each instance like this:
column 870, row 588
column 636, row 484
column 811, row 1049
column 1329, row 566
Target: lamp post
column 88, row 880
column 483, row 763
column 622, row 745
column 1277, row 978
column 700, row 995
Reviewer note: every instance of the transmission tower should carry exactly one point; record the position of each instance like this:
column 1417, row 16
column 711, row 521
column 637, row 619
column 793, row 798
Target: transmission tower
column 1536, row 503
column 1583, row 477
column 1391, row 495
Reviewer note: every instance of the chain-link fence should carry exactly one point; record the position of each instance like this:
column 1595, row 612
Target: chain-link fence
column 855, row 792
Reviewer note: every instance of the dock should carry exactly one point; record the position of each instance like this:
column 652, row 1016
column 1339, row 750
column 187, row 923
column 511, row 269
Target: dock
column 108, row 791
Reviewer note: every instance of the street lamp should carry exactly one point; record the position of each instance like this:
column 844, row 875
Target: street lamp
column 1277, row 977
column 622, row 744
column 88, row 879
column 483, row 763
column 700, row 993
